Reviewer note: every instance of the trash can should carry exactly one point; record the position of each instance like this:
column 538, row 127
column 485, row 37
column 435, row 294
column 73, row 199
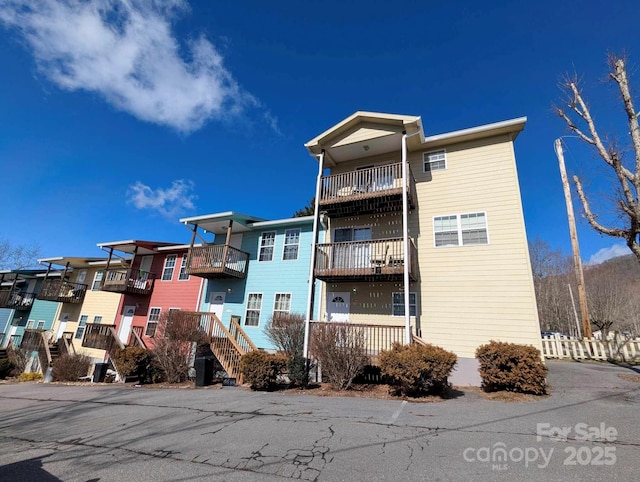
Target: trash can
column 100, row 372
column 204, row 371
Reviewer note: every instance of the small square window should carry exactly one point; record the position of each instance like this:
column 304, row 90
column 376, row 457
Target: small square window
column 435, row 161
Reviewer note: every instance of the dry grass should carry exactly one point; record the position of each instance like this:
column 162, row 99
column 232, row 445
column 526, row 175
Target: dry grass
column 630, row 377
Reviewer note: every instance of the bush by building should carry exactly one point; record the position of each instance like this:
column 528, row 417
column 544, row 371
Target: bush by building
column 261, row 369
column 70, row 368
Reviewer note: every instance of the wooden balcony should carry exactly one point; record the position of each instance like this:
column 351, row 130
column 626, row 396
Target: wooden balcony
column 366, row 191
column 100, row 336
column 217, row 261
column 62, row 291
column 129, row 281
column 372, row 260
column 16, row 300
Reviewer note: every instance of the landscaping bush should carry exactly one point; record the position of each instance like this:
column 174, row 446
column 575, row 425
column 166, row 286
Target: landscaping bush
column 286, row 332
column 29, row 377
column 298, row 368
column 6, row 368
column 18, row 357
column 415, row 369
column 511, row 367
column 135, row 361
column 69, row 368
column 261, row 369
column 341, row 352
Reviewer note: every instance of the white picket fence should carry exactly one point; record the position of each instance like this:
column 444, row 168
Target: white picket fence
column 618, row 349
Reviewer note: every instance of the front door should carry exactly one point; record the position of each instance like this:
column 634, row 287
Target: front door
column 216, row 303
column 125, row 324
column 338, row 306
column 62, row 325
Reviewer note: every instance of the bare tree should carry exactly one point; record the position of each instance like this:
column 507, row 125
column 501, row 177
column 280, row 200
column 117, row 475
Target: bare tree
column 627, row 171
column 18, row 257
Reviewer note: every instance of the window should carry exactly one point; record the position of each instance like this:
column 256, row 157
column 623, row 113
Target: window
column 169, row 266
column 152, row 321
column 183, row 276
column 254, row 305
column 398, row 304
column 267, row 242
column 460, row 230
column 97, row 319
column 435, row 161
column 40, row 325
column 97, row 280
column 30, row 324
column 281, row 304
column 291, row 242
column 81, row 326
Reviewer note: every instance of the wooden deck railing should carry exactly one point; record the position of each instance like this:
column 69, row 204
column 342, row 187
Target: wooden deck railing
column 135, row 339
column 217, row 260
column 375, row 337
column 65, row 344
column 373, row 259
column 62, row 291
column 366, row 184
column 241, row 337
column 36, row 340
column 131, row 281
column 618, row 349
column 224, row 345
column 16, row 300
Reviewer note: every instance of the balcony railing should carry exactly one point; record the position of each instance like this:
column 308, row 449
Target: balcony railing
column 16, row 300
column 62, row 291
column 130, row 281
column 101, row 337
column 366, row 191
column 372, row 260
column 217, row 261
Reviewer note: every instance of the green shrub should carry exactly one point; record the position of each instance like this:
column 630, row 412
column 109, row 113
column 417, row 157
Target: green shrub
column 135, row 361
column 341, row 352
column 415, row 369
column 298, row 368
column 512, row 367
column 6, row 368
column 29, row 377
column 261, row 369
column 69, row 368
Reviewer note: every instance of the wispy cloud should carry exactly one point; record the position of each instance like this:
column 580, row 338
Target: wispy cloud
column 170, row 202
column 125, row 51
column 607, row 253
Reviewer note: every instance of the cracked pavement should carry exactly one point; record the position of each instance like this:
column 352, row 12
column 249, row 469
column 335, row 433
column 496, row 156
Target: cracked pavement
column 114, row 432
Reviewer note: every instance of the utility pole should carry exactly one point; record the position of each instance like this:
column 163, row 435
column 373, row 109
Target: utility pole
column 577, row 261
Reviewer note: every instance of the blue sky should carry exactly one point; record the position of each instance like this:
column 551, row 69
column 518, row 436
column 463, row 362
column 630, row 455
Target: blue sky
column 117, row 118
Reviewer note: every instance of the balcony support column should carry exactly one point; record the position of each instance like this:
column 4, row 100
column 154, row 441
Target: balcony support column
column 405, row 236
column 314, row 242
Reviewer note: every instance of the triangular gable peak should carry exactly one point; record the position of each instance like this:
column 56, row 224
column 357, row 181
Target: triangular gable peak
column 363, row 134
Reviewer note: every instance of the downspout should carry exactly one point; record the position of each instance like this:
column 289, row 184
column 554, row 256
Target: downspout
column 405, row 235
column 314, row 241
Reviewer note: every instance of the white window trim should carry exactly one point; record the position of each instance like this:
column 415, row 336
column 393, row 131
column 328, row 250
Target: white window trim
column 97, row 322
column 159, row 308
column 183, row 260
column 284, row 245
column 414, row 293
column 30, row 324
column 40, row 322
column 246, row 309
column 425, row 160
column 95, row 276
column 273, row 253
column 164, row 267
column 84, row 327
column 273, row 312
column 458, row 220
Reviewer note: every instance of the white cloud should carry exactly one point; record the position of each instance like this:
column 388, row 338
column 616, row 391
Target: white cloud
column 125, row 51
column 607, row 253
column 170, row 202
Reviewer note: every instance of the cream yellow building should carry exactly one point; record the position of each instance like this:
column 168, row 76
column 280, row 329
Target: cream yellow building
column 436, row 217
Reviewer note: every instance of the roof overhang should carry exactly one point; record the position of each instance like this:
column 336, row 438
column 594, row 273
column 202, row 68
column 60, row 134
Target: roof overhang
column 510, row 127
column 365, row 134
column 218, row 223
column 282, row 222
column 74, row 262
column 132, row 246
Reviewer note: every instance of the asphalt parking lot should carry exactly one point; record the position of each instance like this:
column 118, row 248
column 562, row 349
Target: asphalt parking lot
column 586, row 430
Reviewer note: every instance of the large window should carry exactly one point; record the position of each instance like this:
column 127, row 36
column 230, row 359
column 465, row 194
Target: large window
column 281, row 304
column 267, row 242
column 291, row 243
column 435, row 161
column 81, row 326
column 152, row 321
column 97, row 280
column 254, row 305
column 460, row 230
column 398, row 304
column 183, row 276
column 169, row 266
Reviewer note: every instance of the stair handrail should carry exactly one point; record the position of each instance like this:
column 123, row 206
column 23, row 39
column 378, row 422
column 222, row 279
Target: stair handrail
column 227, row 333
column 45, row 344
column 237, row 329
column 137, row 338
column 111, row 350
